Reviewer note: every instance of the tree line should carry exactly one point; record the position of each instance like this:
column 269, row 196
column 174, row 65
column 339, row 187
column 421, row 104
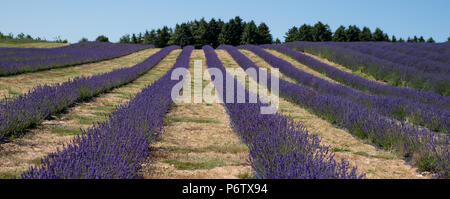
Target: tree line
column 27, row 37
column 322, row 32
column 200, row 32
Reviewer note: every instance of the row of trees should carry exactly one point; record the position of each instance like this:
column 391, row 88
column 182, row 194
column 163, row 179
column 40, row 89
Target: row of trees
column 23, row 37
column 199, row 33
column 322, row 32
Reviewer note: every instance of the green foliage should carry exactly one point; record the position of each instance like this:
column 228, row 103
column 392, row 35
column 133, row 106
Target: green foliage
column 264, row 36
column 250, row 34
column 134, row 39
column 421, row 39
column 352, row 33
column 394, row 39
column 430, row 40
column 321, row 32
column 84, row 39
column 125, row 39
column 162, row 37
column 102, row 38
column 277, row 41
column 379, row 35
column 292, row 35
column 340, row 34
column 182, row 36
column 365, row 35
column 305, row 33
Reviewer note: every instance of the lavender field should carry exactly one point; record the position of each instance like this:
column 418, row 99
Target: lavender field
column 332, row 121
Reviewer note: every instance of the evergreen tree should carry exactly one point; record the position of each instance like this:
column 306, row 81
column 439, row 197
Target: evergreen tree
column 102, row 38
column 146, row 39
column 162, row 37
column 152, row 37
column 84, row 39
column 225, row 36
column 394, row 39
column 125, row 39
column 421, row 39
column 321, row 32
column 305, row 33
column 365, row 35
column 213, row 31
column 134, row 39
column 263, row 33
column 378, row 35
column 292, row 35
column 238, row 28
column 401, row 40
column 430, row 40
column 200, row 33
column 448, row 39
column 339, row 34
column 182, row 35
column 20, row 36
column 140, row 38
column 352, row 33
column 277, row 41
column 250, row 34
column 415, row 39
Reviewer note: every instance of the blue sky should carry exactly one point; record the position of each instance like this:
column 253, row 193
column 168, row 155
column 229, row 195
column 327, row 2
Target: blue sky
column 83, row 18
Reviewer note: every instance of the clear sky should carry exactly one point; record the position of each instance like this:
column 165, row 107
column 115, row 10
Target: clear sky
column 75, row 19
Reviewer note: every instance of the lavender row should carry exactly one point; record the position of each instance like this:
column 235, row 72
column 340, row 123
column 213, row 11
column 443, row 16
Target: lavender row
column 440, row 48
column 433, row 118
column 33, row 107
column 419, row 63
column 19, row 60
column 279, row 148
column 409, row 49
column 364, row 84
column 116, row 147
column 429, row 151
column 393, row 74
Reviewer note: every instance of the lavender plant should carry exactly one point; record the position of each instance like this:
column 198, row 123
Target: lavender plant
column 279, row 148
column 394, row 74
column 432, row 117
column 364, row 84
column 21, row 60
column 32, row 108
column 386, row 53
column 428, row 150
column 115, row 148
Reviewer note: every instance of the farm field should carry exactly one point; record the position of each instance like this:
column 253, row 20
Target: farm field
column 346, row 110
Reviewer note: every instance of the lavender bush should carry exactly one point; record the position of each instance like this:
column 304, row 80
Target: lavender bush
column 32, row 108
column 279, row 148
column 394, row 74
column 115, row 148
column 364, row 84
column 418, row 62
column 429, row 151
column 434, row 118
column 21, row 60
